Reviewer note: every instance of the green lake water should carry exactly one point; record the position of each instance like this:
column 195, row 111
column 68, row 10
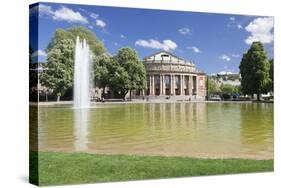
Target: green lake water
column 208, row 130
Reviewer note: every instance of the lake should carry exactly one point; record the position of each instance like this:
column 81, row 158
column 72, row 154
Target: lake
column 206, row 130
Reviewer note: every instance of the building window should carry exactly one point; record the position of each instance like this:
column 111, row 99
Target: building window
column 194, row 91
column 157, row 84
column 167, row 84
column 148, row 85
column 186, row 83
column 177, row 91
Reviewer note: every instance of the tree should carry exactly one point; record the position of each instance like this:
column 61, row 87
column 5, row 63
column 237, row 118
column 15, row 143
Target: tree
column 254, row 69
column 102, row 75
column 58, row 75
column 271, row 73
column 227, row 89
column 33, row 77
column 213, row 87
column 96, row 46
column 119, row 79
column 128, row 59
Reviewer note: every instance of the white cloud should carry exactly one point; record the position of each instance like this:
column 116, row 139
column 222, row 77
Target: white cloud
column 184, row 31
column 39, row 53
column 100, row 23
column 225, row 58
column 233, row 23
column 232, row 18
column 62, row 14
column 66, row 14
column 225, row 73
column 164, row 45
column 235, row 55
column 115, row 44
column 122, row 36
column 94, row 15
column 260, row 29
column 44, row 9
column 83, row 10
column 194, row 49
column 239, row 26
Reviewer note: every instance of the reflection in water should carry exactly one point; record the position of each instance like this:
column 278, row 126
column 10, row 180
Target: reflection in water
column 235, row 130
column 81, row 122
column 262, row 127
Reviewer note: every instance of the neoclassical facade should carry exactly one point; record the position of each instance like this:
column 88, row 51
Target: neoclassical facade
column 169, row 75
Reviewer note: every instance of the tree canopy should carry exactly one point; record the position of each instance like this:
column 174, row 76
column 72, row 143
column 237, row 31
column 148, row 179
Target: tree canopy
column 213, row 87
column 121, row 73
column 96, row 46
column 229, row 89
column 128, row 59
column 271, row 73
column 254, row 68
column 58, row 74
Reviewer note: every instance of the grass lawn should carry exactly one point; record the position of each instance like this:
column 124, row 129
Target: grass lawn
column 73, row 168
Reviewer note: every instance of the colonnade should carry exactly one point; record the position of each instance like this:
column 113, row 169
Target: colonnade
column 171, row 84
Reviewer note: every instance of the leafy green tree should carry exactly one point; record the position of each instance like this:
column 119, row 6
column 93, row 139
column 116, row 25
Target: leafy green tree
column 213, row 87
column 271, row 73
column 236, row 89
column 119, row 79
column 102, row 69
column 33, row 78
column 58, row 75
column 96, row 46
column 128, row 59
column 229, row 89
column 254, row 69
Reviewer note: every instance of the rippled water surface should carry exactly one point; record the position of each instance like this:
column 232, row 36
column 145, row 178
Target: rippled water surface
column 215, row 130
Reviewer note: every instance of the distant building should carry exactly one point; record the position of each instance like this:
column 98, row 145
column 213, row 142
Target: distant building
column 232, row 79
column 169, row 75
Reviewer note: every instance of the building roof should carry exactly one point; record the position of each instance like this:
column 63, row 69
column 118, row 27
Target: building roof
column 163, row 51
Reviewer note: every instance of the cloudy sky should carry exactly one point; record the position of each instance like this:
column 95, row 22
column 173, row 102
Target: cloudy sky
column 214, row 42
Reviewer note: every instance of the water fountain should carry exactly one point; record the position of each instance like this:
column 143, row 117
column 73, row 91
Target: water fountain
column 82, row 63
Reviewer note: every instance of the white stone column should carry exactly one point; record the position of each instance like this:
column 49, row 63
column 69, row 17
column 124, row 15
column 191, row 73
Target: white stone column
column 164, row 85
column 171, row 85
column 181, row 84
column 174, row 84
column 160, row 87
column 152, row 87
column 184, row 84
column 190, row 86
column 197, row 83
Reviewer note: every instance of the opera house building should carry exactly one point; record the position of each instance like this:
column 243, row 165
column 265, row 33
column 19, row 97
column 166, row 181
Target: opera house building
column 169, row 75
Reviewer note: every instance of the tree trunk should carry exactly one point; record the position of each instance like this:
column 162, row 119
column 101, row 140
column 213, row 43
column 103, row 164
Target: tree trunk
column 123, row 94
column 130, row 95
column 103, row 90
column 258, row 96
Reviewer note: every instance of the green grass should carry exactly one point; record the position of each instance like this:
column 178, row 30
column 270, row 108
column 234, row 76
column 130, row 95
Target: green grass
column 73, row 168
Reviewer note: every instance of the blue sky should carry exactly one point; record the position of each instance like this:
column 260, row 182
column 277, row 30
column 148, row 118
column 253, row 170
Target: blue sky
column 214, row 42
